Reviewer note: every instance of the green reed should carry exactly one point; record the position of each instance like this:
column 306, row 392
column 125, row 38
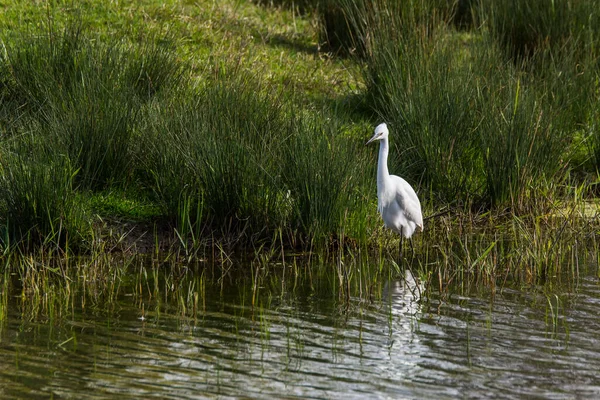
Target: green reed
column 37, row 197
column 470, row 126
column 236, row 158
column 83, row 96
column 497, row 251
column 558, row 44
column 524, row 29
column 325, row 177
column 210, row 158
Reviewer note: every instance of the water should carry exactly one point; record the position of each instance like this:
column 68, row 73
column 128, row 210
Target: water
column 303, row 339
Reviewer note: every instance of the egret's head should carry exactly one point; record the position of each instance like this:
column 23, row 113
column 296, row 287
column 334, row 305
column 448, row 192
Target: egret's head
column 381, row 132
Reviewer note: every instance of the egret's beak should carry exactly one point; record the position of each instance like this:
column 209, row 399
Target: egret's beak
column 375, row 136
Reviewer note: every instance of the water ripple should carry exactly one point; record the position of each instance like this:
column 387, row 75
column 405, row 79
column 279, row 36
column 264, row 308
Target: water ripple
column 514, row 344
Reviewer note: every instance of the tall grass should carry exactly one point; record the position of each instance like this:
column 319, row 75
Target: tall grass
column 471, row 126
column 154, row 66
column 37, row 200
column 234, row 157
column 225, row 155
column 326, row 175
column 347, row 26
column 418, row 83
column 86, row 94
column 212, row 154
column 521, row 148
column 593, row 130
column 524, row 29
column 558, row 43
column 431, row 107
column 229, row 157
column 94, row 127
column 70, row 107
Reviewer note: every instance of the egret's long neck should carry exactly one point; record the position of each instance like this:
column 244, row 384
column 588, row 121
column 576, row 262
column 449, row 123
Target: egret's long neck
column 382, row 169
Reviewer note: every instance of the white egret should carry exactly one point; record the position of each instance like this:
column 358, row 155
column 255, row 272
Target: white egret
column 397, row 201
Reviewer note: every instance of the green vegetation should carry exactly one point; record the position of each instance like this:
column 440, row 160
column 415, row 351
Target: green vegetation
column 224, row 122
column 525, row 30
column 477, row 128
column 170, row 164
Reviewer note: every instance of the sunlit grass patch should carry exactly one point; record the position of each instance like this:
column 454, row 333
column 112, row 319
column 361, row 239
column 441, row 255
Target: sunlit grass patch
column 122, row 205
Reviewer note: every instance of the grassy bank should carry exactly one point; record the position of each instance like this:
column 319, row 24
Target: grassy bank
column 227, row 125
column 222, row 151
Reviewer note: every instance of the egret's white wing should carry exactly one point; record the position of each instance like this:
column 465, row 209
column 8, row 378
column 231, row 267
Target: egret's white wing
column 408, row 201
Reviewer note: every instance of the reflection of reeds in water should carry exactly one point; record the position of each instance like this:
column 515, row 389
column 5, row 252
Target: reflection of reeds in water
column 403, row 296
column 295, row 338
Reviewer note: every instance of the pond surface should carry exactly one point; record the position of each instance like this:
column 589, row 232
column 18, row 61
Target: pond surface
column 307, row 342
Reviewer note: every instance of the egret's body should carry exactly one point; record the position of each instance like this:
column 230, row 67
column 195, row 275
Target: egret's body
column 397, row 201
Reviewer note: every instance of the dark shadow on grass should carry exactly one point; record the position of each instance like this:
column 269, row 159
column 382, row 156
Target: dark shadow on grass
column 291, row 44
column 303, row 7
column 351, row 108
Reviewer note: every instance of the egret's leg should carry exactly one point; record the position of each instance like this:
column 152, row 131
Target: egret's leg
column 400, row 247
